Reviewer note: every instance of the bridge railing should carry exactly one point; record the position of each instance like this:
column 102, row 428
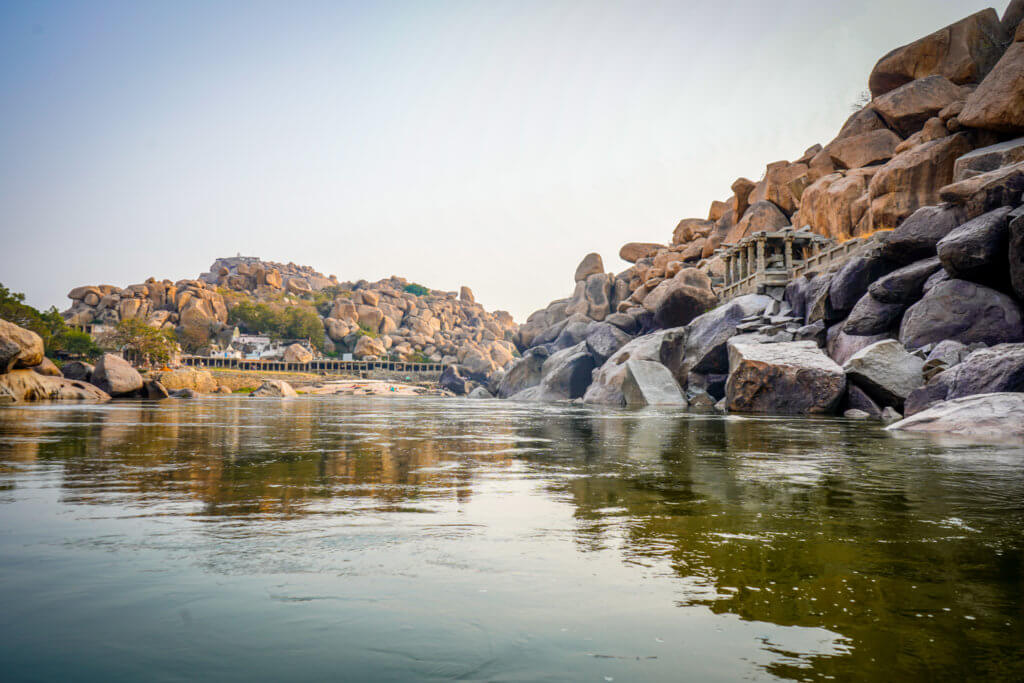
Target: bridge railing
column 321, row 365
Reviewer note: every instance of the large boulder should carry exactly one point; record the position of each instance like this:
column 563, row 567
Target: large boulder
column 634, row 251
column 836, row 204
column 998, row 103
column 603, row 340
column 297, row 353
column 913, row 178
column 649, row 383
column 761, row 216
column 200, row 381
column 852, row 280
column 994, row 369
column 368, row 347
column 590, row 265
column 987, row 159
column 886, row 371
column 783, row 378
column 567, row 374
column 19, row 348
column 690, row 229
column 79, row 370
column 274, row 388
column 906, row 108
column 26, row 385
column 865, row 149
column 963, row 311
column 677, row 301
column 962, row 52
column 524, row 373
column 986, row 191
column 116, row 376
column 977, row 249
column 985, row 416
column 871, row 316
column 664, row 347
column 453, row 381
column 904, row 285
column 916, row 237
column 705, row 350
column 840, row 346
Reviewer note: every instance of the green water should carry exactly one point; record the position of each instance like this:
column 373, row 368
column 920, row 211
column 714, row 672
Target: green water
column 397, row 540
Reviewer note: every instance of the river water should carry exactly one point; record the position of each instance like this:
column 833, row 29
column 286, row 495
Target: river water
column 391, row 539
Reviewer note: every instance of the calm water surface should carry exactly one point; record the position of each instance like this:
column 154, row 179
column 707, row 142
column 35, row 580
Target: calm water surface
column 392, row 540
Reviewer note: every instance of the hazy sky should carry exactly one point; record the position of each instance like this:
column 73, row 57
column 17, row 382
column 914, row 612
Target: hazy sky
column 486, row 143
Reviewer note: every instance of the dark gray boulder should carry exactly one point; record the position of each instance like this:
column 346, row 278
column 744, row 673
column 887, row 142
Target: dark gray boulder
column 567, row 374
column 78, row 370
column 155, row 390
column 840, row 346
column 624, row 322
column 886, row 372
column 857, row 399
column 963, row 311
column 998, row 368
column 705, row 350
column 904, row 285
column 571, row 335
column 524, row 373
column 1015, row 248
column 549, row 334
column 934, row 279
column 604, row 339
column 856, row 275
column 453, row 381
column 870, row 317
column 977, row 249
column 916, row 237
column 663, row 346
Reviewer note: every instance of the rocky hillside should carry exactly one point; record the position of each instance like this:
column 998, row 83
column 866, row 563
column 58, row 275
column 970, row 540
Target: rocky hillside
column 926, row 315
column 391, row 317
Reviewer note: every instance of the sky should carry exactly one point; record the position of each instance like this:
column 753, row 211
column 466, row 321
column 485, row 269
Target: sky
column 483, row 143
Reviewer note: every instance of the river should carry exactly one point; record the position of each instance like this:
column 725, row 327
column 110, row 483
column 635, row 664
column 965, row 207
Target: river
column 391, row 539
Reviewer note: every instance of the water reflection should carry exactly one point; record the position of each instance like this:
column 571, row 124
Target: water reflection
column 903, row 556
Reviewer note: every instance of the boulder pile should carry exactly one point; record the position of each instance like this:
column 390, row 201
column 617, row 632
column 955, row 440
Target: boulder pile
column 371, row 320
column 927, row 312
column 26, row 374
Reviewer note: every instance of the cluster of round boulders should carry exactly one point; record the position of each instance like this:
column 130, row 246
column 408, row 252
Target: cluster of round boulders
column 27, row 375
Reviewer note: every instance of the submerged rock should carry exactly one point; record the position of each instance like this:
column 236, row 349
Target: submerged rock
column 26, row 385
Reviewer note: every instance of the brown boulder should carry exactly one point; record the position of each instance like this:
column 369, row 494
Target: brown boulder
column 19, row 348
column 783, row 378
column 998, row 103
column 962, row 52
column 116, row 376
column 690, row 229
column 717, row 210
column 26, row 385
column 836, row 205
column 590, row 265
column 760, row 216
column 782, row 184
column 200, row 381
column 297, row 353
column 912, row 179
column 634, row 251
column 864, row 149
column 906, row 108
column 741, row 189
column 48, row 368
column 860, row 122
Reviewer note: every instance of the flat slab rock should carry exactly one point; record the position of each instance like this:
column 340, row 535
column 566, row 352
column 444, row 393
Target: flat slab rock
column 787, row 378
column 982, row 416
column 649, row 383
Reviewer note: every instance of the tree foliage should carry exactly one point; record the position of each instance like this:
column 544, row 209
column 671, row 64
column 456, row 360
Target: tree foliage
column 278, row 322
column 155, row 345
column 417, row 289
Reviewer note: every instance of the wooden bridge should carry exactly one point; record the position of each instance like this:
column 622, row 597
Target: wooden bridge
column 330, row 366
column 766, row 260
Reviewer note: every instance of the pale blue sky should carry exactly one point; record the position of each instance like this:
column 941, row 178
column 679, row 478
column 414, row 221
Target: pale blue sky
column 485, row 143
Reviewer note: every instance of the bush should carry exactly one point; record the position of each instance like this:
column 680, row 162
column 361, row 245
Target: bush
column 365, row 331
column 417, row 289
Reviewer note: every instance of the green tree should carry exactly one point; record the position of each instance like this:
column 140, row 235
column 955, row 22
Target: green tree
column 278, row 322
column 417, row 289
column 151, row 344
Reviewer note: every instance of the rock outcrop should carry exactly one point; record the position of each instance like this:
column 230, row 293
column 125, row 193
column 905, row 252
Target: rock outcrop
column 785, row 378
